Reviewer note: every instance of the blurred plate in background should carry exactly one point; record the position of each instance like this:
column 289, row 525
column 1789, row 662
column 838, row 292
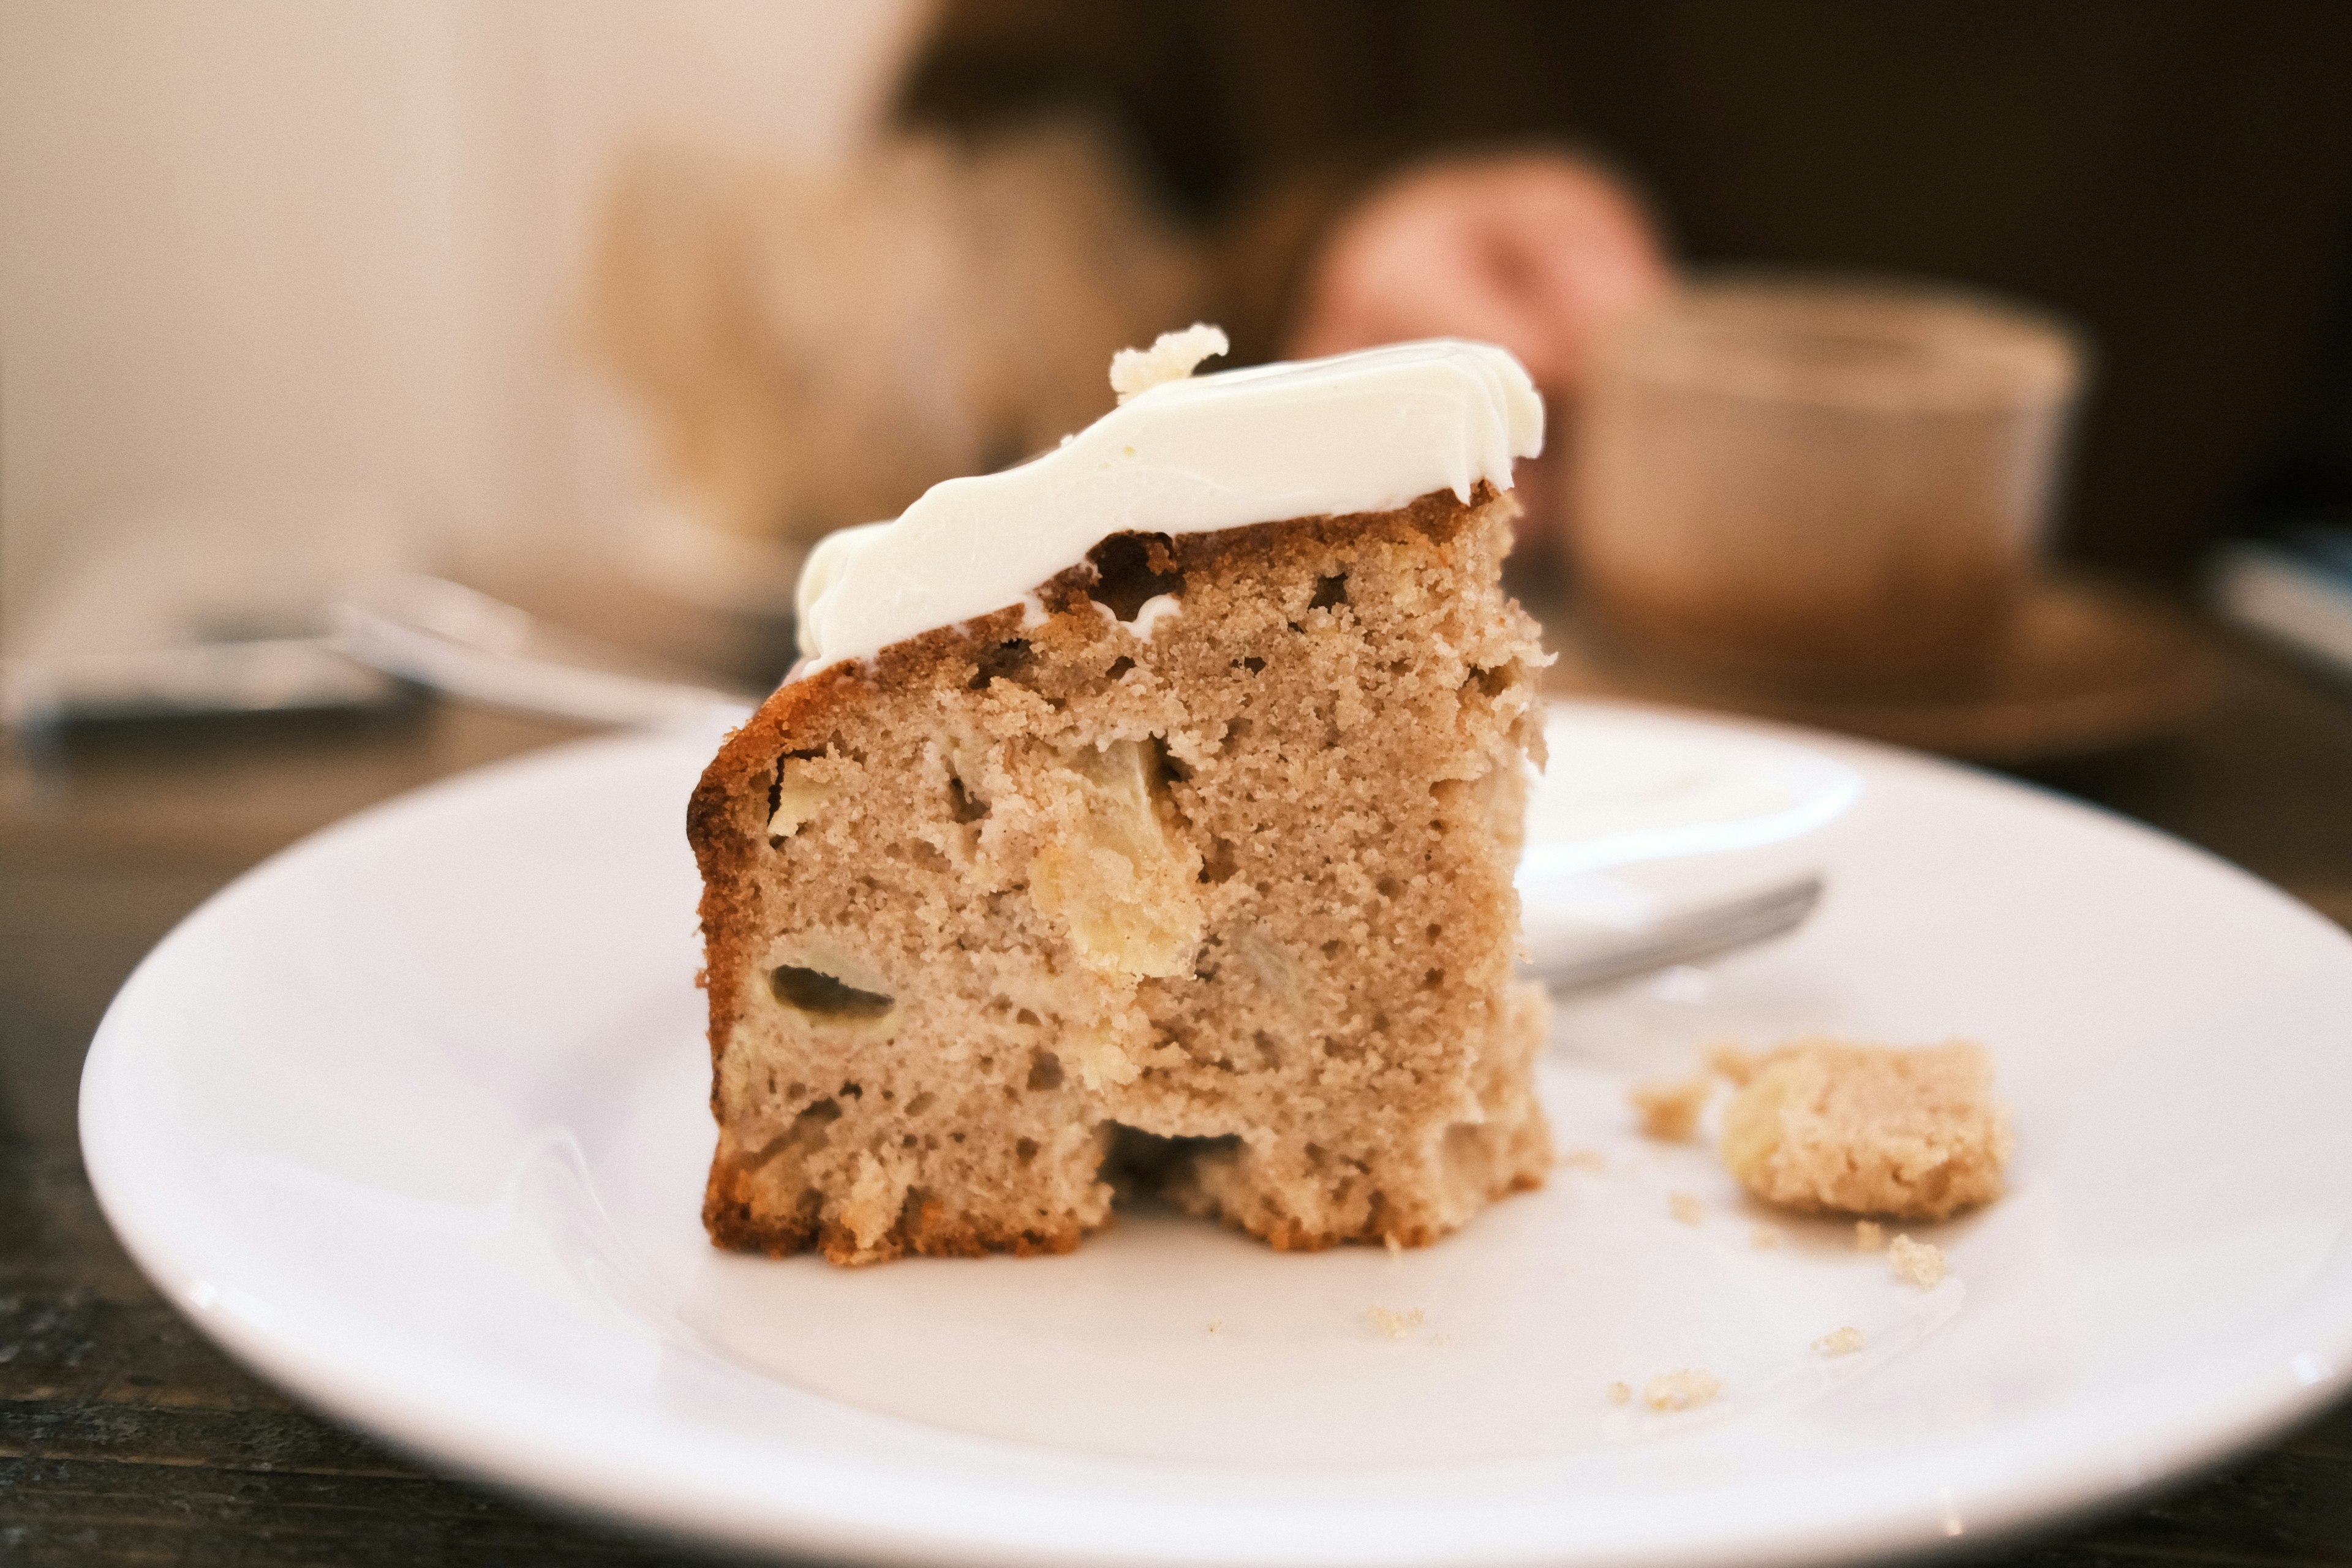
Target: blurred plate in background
column 2085, row 667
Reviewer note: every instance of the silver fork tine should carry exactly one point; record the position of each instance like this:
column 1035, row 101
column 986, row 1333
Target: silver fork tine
column 1686, row 938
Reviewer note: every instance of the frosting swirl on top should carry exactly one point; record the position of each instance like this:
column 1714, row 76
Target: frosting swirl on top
column 1360, row 432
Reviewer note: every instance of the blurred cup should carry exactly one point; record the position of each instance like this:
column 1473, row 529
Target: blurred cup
column 1823, row 484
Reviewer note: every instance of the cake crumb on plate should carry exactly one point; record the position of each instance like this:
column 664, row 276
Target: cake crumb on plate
column 1394, row 1324
column 1915, row 1262
column 1685, row 1207
column 1686, row 1389
column 1581, row 1159
column 1737, row 1063
column 1764, row 1238
column 1838, row 1341
column 1825, row 1125
column 1618, row 1394
column 1670, row 1109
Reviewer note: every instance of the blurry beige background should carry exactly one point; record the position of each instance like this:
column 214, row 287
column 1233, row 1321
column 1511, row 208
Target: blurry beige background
column 281, row 261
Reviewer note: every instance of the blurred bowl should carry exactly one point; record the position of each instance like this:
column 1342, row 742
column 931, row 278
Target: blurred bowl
column 1821, row 483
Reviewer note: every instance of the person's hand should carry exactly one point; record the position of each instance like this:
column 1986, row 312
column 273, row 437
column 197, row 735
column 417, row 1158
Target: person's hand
column 1535, row 252
column 1538, row 252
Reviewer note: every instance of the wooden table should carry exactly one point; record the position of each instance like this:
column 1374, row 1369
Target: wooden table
column 124, row 1438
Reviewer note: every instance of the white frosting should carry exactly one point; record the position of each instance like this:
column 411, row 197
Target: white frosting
column 1360, row 432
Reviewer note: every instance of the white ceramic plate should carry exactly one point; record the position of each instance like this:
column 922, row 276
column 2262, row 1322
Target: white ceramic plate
column 413, row 1119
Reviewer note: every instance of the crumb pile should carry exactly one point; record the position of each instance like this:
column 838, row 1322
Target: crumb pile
column 1866, row 1130
column 1196, row 876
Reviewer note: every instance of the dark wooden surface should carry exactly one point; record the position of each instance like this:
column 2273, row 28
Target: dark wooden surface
column 124, row 1438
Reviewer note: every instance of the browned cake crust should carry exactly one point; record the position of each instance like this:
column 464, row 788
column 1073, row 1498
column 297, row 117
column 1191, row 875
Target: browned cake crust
column 1027, row 907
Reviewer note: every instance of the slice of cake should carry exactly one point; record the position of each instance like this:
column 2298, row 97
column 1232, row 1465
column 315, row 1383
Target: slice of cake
column 1914, row 1134
column 1145, row 816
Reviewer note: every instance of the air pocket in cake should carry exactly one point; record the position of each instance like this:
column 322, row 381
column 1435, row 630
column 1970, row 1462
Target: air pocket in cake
column 823, row 987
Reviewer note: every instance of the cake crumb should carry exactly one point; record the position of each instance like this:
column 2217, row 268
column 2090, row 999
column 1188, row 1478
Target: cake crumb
column 1172, row 357
column 1915, row 1262
column 1618, row 1394
column 1396, row 1248
column 1217, row 1325
column 1838, row 1341
column 1737, row 1063
column 1685, row 1207
column 1670, row 1109
column 1395, row 1325
column 1581, row 1159
column 1684, row 1389
column 1869, row 1236
column 1827, row 1125
column 1764, row 1238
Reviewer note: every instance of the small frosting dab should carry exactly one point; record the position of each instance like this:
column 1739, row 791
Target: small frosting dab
column 1172, row 357
column 1370, row 431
